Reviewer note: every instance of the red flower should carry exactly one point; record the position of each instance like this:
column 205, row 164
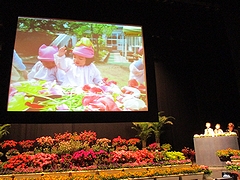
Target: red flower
column 26, row 144
column 133, row 141
column 119, row 141
column 8, row 144
column 133, row 83
column 45, row 141
column 63, row 137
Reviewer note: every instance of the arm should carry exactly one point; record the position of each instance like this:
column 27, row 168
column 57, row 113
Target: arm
column 61, row 61
column 18, row 64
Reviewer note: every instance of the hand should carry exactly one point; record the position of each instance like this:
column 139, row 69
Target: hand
column 62, row 51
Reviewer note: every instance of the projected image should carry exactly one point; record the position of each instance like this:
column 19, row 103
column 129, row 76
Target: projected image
column 65, row 65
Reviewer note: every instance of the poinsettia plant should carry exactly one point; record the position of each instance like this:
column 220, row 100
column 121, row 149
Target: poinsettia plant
column 8, row 144
column 26, row 144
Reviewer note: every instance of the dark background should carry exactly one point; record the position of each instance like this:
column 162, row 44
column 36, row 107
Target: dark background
column 195, row 47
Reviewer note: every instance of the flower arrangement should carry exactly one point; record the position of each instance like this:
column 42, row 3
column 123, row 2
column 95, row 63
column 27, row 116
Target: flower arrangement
column 66, row 161
column 205, row 169
column 19, row 161
column 156, row 172
column 166, row 147
column 118, row 142
column 68, row 147
column 235, row 157
column 102, row 144
column 133, row 141
column 44, row 160
column 131, row 144
column 84, row 158
column 154, row 147
column 88, row 136
column 8, row 144
column 26, row 144
column 227, row 152
column 232, row 166
column 69, row 151
column 12, row 152
column 45, row 141
column 174, row 155
column 189, row 153
column 62, row 137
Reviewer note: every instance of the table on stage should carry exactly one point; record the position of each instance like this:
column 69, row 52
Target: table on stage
column 206, row 148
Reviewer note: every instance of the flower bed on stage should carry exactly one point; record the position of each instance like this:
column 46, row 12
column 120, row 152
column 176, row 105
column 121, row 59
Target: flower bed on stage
column 113, row 174
column 83, row 154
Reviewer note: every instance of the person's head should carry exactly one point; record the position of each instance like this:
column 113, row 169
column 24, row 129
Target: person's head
column 230, row 126
column 208, row 124
column 83, row 55
column 217, row 126
column 45, row 55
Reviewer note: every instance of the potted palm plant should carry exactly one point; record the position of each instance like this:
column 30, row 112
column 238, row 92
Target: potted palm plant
column 144, row 131
column 4, row 130
column 157, row 126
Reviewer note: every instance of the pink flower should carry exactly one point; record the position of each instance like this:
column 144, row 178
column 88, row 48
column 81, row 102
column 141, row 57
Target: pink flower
column 62, row 107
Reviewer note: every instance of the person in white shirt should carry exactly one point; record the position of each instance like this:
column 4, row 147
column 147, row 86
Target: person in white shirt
column 218, row 130
column 45, row 68
column 137, row 68
column 208, row 131
column 80, row 70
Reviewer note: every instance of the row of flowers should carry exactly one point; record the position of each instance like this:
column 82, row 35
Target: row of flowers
column 68, row 143
column 154, row 172
column 228, row 152
column 83, row 160
column 73, row 151
column 233, row 166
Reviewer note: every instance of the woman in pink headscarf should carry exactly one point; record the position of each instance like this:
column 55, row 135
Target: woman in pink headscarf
column 80, row 70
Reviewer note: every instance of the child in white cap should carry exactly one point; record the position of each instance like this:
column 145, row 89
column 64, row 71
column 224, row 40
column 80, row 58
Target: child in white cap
column 45, row 68
column 80, row 70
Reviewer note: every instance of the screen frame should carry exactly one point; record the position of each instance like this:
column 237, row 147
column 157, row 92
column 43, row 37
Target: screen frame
column 10, row 25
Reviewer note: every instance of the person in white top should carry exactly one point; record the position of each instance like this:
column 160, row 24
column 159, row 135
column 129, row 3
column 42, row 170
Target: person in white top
column 80, row 70
column 217, row 129
column 208, row 131
column 137, row 68
column 45, row 68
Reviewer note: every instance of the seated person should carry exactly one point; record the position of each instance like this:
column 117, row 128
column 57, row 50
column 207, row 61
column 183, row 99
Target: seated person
column 208, row 131
column 218, row 130
column 231, row 129
column 45, row 68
